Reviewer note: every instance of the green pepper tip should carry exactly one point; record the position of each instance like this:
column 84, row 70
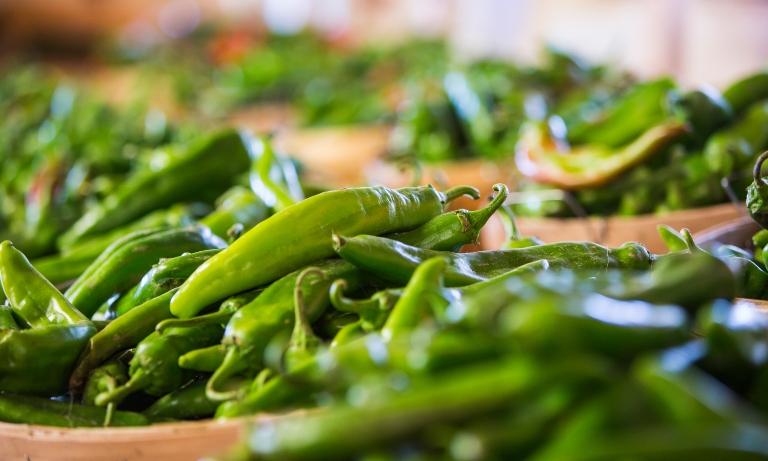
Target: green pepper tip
column 338, row 242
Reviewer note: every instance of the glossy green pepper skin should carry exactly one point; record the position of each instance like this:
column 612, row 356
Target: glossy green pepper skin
column 451, row 231
column 122, row 333
column 250, row 261
column 221, row 157
column 395, row 261
column 39, row 358
column 126, row 265
column 24, row 409
column 164, row 276
column 189, row 402
column 7, row 322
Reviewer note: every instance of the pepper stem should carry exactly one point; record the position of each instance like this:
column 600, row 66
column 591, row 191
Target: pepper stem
column 138, row 381
column 478, row 218
column 756, row 172
column 302, row 336
column 416, row 167
column 692, row 247
column 344, row 304
column 214, row 317
column 233, row 363
column 456, row 192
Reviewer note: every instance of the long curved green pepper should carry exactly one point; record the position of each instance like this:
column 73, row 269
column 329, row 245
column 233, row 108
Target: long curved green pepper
column 451, row 231
column 155, row 365
column 757, row 194
column 126, row 266
column 259, row 257
column 55, row 331
column 122, row 333
column 392, row 260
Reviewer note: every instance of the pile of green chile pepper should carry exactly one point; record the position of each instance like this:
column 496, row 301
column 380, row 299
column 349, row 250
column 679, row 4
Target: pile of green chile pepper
column 402, row 347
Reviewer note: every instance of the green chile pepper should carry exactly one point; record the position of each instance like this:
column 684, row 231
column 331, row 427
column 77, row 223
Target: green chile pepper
column 757, row 194
column 255, row 324
column 237, row 205
column 639, row 109
column 219, row 157
column 7, row 322
column 452, row 397
column 451, row 231
column 155, row 365
column 167, row 274
column 24, row 409
column 123, row 333
column 672, row 238
column 444, row 349
column 38, row 359
column 126, row 266
column 747, row 91
column 418, row 295
column 735, row 147
column 222, row 316
column 258, row 257
column 105, row 378
column 273, row 178
column 705, row 110
column 395, row 261
column 189, row 402
column 735, row 336
column 372, row 312
column 207, row 359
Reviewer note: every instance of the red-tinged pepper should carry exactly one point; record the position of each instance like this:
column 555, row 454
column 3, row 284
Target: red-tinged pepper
column 541, row 158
